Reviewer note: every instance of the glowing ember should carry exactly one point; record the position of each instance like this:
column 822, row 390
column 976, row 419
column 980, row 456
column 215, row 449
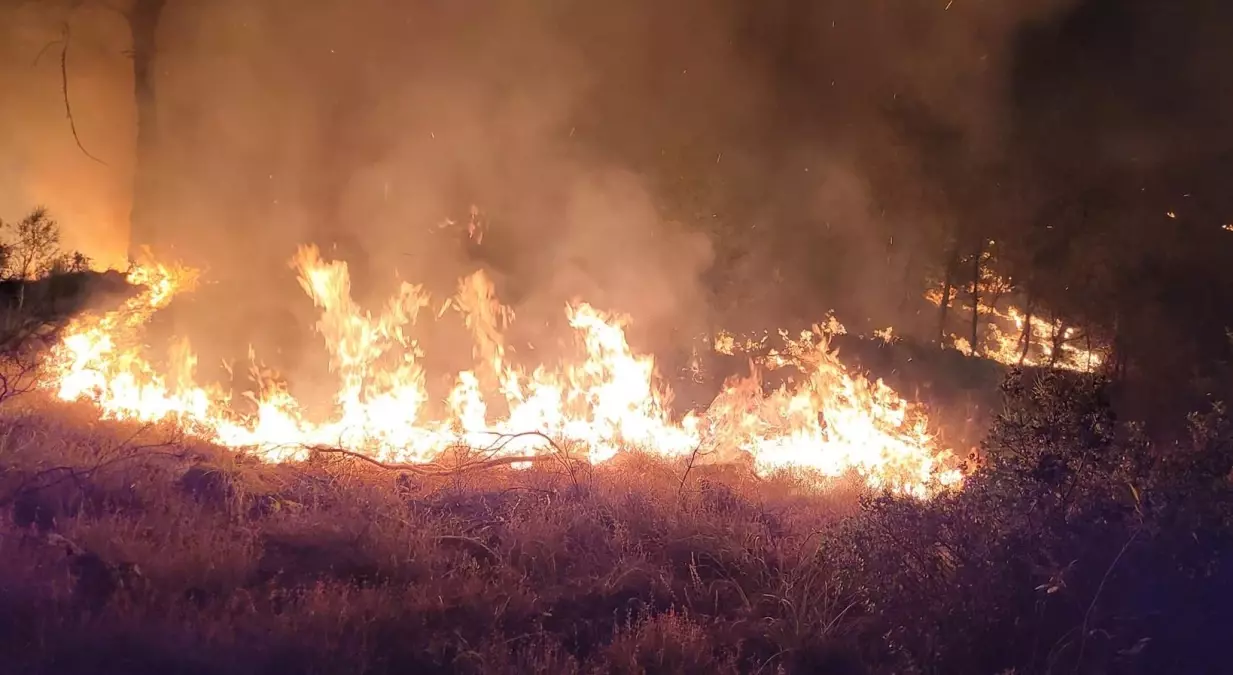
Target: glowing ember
column 832, row 423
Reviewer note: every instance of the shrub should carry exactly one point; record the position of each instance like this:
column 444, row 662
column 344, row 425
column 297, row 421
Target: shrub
column 1077, row 546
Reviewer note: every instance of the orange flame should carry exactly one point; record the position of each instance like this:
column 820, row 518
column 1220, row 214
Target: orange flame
column 608, row 401
column 1032, row 341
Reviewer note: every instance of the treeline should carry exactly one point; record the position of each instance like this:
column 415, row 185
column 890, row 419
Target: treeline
column 41, row 284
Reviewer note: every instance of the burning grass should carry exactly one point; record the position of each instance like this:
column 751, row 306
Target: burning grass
column 561, row 520
column 1076, row 546
column 607, row 400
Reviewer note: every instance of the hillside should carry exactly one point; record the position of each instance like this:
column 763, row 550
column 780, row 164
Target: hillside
column 132, row 550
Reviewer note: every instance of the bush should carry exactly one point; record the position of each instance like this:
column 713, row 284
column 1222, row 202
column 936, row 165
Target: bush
column 1076, row 547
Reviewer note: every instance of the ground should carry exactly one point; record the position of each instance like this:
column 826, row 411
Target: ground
column 1076, row 545
column 131, row 551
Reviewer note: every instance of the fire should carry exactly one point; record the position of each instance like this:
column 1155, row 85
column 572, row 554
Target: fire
column 1033, row 341
column 610, row 399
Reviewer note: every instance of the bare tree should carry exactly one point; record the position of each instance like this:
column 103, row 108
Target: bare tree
column 143, row 19
column 34, row 246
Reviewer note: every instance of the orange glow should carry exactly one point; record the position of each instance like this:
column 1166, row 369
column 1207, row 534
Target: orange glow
column 607, row 401
column 1050, row 345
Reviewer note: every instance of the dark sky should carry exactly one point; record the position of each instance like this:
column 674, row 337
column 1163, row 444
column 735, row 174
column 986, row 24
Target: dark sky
column 1126, row 83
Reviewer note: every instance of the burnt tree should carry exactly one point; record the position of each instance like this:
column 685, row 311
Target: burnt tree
column 976, row 269
column 143, row 19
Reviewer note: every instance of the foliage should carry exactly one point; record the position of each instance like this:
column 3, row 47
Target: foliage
column 1077, row 547
column 32, row 250
column 40, row 286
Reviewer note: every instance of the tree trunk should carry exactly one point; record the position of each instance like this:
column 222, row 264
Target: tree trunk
column 980, row 249
column 1026, row 338
column 948, row 283
column 1059, row 339
column 143, row 19
column 1118, row 356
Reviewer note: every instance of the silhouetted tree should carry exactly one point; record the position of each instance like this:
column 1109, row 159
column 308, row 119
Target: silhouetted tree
column 143, row 19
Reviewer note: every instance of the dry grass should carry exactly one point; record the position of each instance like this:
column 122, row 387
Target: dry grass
column 186, row 558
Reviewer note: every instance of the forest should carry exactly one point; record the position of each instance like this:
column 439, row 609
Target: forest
column 894, row 341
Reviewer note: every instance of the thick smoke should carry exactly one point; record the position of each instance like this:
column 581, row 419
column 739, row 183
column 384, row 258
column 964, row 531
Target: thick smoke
column 688, row 162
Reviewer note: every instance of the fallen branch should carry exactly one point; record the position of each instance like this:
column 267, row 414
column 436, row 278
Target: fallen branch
column 433, row 468
column 439, row 469
column 77, row 474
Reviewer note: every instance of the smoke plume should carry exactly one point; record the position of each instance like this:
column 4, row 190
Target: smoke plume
column 686, row 162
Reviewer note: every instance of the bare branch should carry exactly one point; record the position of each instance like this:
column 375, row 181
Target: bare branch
column 432, row 468
column 502, row 440
column 689, row 466
column 46, row 48
column 68, row 109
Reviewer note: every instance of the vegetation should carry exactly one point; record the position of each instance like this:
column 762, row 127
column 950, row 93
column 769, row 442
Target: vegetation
column 1078, row 546
column 40, row 287
column 1081, row 542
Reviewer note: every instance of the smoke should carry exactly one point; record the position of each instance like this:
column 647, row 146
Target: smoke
column 40, row 162
column 685, row 162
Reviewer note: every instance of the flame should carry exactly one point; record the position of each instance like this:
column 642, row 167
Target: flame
column 1033, row 341
column 607, row 401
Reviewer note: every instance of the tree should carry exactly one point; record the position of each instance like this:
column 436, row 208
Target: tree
column 35, row 247
column 143, row 17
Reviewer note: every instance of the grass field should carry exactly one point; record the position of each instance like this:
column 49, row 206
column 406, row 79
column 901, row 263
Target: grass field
column 130, row 551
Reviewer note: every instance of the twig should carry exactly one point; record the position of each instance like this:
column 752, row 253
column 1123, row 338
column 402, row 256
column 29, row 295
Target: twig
column 475, row 547
column 437, row 469
column 689, row 466
column 432, row 468
column 1099, row 589
column 39, row 57
column 504, row 439
column 68, row 109
column 77, row 475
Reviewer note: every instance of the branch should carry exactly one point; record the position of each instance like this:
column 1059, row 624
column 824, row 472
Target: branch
column 438, row 469
column 19, row 374
column 1087, row 616
column 689, row 466
column 78, row 474
column 433, row 468
column 39, row 57
column 504, row 439
column 68, row 109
